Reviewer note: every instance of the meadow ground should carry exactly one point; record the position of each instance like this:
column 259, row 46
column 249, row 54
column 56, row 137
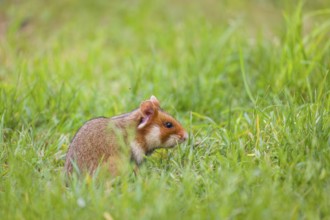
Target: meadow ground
column 248, row 79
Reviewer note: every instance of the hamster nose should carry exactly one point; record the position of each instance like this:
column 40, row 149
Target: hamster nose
column 185, row 136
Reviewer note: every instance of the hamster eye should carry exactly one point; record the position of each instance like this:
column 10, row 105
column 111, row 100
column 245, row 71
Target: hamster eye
column 168, row 124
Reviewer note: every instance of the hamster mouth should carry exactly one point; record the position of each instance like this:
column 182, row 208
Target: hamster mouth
column 173, row 146
column 149, row 152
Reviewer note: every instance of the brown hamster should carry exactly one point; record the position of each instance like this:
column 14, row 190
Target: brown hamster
column 142, row 130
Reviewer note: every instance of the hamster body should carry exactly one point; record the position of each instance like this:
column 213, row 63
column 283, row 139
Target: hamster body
column 142, row 130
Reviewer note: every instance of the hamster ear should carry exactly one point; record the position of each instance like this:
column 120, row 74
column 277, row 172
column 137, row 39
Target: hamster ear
column 154, row 100
column 147, row 110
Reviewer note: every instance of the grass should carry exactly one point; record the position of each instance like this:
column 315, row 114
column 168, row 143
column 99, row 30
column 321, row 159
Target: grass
column 249, row 81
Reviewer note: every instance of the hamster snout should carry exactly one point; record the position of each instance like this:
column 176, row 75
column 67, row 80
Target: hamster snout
column 184, row 136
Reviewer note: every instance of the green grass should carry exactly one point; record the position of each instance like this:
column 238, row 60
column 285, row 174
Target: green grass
column 248, row 79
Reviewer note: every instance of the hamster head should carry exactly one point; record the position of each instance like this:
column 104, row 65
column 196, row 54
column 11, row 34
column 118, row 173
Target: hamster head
column 157, row 128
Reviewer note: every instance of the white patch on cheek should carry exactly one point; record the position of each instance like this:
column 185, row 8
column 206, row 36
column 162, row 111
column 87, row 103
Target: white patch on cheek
column 153, row 137
column 137, row 152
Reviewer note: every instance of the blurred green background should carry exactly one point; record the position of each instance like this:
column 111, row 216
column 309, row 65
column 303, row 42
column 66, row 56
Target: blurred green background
column 248, row 79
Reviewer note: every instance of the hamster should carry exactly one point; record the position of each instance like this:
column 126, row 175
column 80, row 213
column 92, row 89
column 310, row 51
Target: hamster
column 143, row 130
